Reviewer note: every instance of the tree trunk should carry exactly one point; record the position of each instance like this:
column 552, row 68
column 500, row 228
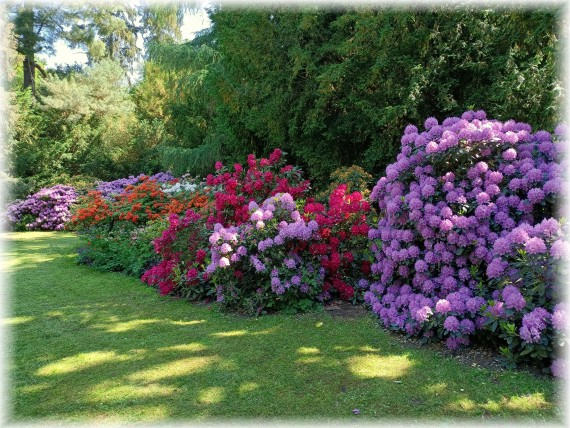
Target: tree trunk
column 30, row 73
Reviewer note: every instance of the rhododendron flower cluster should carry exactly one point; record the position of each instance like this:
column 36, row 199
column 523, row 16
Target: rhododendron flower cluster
column 458, row 195
column 343, row 232
column 47, row 209
column 137, row 205
column 109, row 189
column 183, row 251
column 259, row 264
column 531, row 259
column 234, row 189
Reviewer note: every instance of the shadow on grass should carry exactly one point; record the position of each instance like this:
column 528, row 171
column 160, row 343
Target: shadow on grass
column 125, row 354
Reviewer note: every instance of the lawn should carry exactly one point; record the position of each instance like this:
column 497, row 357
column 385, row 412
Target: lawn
column 88, row 346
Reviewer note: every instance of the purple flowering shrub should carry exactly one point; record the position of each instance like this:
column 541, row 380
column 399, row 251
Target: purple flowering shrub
column 47, row 209
column 528, row 316
column 109, row 189
column 448, row 206
column 262, row 264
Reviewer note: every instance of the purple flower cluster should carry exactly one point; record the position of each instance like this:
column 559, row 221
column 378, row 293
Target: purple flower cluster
column 225, row 247
column 533, row 324
column 109, row 189
column 48, row 209
column 269, row 240
column 459, row 197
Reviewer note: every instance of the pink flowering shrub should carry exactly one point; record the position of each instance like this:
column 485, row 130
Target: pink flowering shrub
column 292, row 254
column 260, row 265
column 456, row 190
column 284, row 260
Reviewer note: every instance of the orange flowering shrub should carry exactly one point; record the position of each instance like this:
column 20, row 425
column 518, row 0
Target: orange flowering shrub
column 91, row 210
column 119, row 229
column 138, row 204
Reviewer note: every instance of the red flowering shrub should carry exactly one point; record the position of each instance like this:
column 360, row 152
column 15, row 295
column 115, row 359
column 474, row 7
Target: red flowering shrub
column 183, row 249
column 343, row 231
column 233, row 191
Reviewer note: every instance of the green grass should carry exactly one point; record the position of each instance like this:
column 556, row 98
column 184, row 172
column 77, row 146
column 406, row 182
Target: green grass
column 88, row 346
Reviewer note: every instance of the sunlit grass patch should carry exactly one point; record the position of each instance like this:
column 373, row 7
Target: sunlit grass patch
column 188, row 347
column 373, row 366
column 181, row 367
column 17, row 320
column 80, row 362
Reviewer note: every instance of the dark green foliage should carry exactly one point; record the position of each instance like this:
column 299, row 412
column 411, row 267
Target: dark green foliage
column 336, row 87
column 126, row 250
column 175, row 91
column 199, row 161
column 332, row 87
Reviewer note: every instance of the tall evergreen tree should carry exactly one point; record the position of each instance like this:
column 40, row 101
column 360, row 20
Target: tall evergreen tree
column 35, row 30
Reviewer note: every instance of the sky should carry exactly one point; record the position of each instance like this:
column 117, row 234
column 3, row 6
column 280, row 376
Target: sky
column 193, row 22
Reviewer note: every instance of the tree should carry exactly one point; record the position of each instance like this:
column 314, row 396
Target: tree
column 35, row 30
column 176, row 89
column 109, row 31
column 337, row 87
column 82, row 124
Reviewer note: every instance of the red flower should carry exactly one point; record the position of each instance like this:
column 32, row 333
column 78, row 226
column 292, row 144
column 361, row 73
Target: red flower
column 275, row 156
column 192, row 274
column 200, row 256
column 251, row 161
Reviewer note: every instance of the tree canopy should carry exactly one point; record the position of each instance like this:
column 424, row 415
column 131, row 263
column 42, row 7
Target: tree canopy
column 331, row 87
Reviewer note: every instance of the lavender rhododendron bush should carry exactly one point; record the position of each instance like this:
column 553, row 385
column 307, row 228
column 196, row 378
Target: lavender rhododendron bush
column 261, row 264
column 465, row 227
column 47, row 209
column 109, row 189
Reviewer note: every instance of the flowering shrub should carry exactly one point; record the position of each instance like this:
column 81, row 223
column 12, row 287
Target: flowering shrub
column 343, row 232
column 48, row 209
column 526, row 312
column 185, row 185
column 233, row 191
column 119, row 230
column 354, row 177
column 137, row 204
column 454, row 191
column 109, row 189
column 262, row 265
column 182, row 248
